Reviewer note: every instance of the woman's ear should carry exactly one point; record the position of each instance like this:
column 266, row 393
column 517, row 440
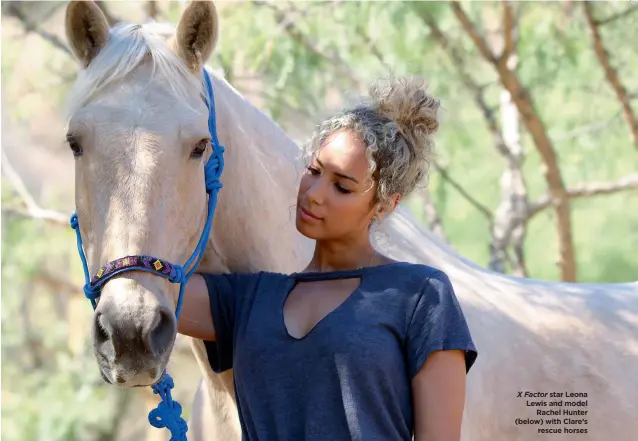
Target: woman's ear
column 388, row 206
column 395, row 199
column 385, row 208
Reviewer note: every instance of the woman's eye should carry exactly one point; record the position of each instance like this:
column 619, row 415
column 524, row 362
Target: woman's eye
column 313, row 170
column 341, row 189
column 75, row 146
column 200, row 148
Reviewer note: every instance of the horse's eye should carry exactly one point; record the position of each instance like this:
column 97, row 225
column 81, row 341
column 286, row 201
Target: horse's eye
column 75, row 145
column 200, row 148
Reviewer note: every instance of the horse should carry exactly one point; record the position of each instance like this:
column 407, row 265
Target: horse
column 138, row 129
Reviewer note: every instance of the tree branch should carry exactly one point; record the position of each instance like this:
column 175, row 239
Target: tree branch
column 536, row 128
column 611, row 74
column 60, row 289
column 509, row 31
column 513, row 204
column 14, row 11
column 371, row 45
column 298, row 110
column 56, row 283
column 479, row 42
column 518, row 239
column 293, row 31
column 152, row 9
column 616, row 16
column 33, row 341
column 281, row 26
column 467, row 80
column 41, row 214
column 629, row 182
column 435, row 224
column 480, row 207
column 586, row 129
column 31, row 208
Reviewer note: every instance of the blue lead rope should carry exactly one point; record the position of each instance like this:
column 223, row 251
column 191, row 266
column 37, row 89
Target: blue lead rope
column 168, row 413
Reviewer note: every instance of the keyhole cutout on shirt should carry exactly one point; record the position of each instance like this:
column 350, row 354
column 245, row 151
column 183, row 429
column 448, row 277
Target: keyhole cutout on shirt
column 310, row 303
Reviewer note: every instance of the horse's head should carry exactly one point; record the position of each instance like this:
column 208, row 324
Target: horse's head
column 139, row 134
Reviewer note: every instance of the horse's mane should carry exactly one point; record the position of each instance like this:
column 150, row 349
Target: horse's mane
column 128, row 46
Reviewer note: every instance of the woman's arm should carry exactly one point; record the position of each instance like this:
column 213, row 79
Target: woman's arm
column 196, row 319
column 439, row 397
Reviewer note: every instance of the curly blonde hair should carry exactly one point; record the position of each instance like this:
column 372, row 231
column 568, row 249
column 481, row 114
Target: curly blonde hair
column 396, row 126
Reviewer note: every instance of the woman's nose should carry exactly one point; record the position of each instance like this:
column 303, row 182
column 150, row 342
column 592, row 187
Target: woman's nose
column 315, row 193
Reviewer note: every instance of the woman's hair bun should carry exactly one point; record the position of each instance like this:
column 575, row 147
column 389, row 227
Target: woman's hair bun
column 406, row 101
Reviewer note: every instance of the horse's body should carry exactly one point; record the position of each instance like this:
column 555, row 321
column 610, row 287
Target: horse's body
column 531, row 336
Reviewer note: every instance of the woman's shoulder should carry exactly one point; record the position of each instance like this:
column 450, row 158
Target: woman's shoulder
column 407, row 273
column 406, row 268
column 413, row 283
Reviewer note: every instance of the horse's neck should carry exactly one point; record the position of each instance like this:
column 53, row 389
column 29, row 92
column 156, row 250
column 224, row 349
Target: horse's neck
column 254, row 223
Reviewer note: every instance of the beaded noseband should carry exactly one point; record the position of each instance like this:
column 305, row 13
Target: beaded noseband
column 168, row 412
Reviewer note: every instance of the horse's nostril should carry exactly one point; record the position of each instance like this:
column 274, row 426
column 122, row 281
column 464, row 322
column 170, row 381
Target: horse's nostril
column 101, row 334
column 162, row 333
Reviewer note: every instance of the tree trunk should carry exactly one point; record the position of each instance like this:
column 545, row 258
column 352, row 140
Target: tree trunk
column 538, row 132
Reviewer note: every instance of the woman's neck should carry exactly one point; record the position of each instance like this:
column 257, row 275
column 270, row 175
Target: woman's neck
column 338, row 256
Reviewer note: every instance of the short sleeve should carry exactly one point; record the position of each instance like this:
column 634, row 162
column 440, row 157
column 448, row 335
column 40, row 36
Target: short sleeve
column 438, row 323
column 224, row 291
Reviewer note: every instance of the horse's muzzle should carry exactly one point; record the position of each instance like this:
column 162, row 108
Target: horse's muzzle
column 133, row 346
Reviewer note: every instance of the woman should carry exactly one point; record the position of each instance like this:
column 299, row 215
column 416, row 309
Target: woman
column 357, row 346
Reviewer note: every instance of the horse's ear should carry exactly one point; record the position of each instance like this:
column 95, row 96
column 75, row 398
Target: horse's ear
column 87, row 30
column 197, row 33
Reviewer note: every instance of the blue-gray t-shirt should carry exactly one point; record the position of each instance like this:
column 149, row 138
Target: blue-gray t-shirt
column 350, row 377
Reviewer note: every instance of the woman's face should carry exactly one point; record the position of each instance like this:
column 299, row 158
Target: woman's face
column 336, row 191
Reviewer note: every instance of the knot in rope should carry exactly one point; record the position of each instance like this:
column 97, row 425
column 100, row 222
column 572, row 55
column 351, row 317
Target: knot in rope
column 91, row 292
column 213, row 170
column 213, row 184
column 168, row 412
column 215, row 164
column 164, row 385
column 74, row 221
column 212, row 165
column 177, row 274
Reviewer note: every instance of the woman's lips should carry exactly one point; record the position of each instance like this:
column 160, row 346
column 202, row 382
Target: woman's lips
column 307, row 215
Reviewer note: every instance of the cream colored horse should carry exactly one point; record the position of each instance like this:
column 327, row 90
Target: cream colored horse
column 137, row 122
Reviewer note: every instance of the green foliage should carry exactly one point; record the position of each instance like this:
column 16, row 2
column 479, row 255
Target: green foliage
column 48, row 393
column 556, row 64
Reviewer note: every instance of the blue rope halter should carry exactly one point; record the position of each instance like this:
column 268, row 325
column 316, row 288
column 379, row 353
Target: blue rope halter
column 168, row 412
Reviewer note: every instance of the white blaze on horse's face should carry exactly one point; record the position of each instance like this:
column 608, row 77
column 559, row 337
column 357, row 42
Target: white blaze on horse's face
column 139, row 131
